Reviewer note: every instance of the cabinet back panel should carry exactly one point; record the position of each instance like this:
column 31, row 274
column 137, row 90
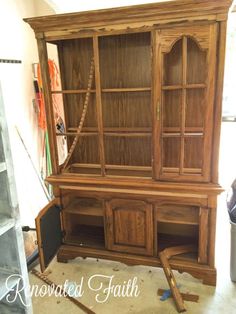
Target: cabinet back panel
column 74, row 108
column 125, row 60
column 86, row 150
column 130, row 109
column 128, row 151
column 75, row 58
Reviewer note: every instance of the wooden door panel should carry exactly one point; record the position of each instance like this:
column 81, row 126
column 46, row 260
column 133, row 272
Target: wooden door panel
column 129, row 226
column 183, row 94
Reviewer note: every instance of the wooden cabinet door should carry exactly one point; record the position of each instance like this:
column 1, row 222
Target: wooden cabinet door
column 183, row 92
column 129, row 226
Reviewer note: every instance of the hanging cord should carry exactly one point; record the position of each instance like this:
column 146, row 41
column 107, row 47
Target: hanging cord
column 86, row 102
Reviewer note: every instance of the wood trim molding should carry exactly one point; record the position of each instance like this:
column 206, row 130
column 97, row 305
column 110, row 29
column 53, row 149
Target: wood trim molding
column 170, row 10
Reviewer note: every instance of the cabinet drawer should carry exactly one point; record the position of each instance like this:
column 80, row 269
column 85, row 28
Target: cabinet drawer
column 178, row 214
column 129, row 226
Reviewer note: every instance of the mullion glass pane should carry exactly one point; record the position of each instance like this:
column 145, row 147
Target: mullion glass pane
column 172, row 108
column 193, row 152
column 196, row 63
column 195, row 108
column 173, row 65
column 171, row 152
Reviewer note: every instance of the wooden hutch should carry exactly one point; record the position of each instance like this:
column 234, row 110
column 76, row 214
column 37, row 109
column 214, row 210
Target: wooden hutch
column 143, row 174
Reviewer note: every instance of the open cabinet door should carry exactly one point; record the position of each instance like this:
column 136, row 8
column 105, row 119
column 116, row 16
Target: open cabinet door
column 49, row 234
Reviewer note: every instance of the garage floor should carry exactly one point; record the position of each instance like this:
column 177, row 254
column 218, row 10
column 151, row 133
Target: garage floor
column 221, row 299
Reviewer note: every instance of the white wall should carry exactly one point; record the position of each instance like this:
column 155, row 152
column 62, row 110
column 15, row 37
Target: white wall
column 62, row 6
column 18, row 42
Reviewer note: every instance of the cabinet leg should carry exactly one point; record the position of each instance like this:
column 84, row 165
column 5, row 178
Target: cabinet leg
column 210, row 280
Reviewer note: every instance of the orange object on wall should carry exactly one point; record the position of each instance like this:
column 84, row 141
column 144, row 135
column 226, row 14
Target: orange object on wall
column 54, row 77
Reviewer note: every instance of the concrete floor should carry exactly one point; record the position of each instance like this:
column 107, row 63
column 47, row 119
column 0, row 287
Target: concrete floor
column 221, row 299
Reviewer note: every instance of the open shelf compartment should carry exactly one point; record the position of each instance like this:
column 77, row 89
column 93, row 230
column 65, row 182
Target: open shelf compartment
column 84, row 223
column 177, row 225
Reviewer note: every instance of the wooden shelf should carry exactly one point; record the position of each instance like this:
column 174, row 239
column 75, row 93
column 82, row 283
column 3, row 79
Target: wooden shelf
column 186, row 129
column 115, row 129
column 115, row 167
column 126, row 133
column 131, row 89
column 74, row 134
column 72, row 91
column 103, row 90
column 81, row 207
column 87, row 236
column 121, row 134
column 179, row 134
column 185, row 170
column 94, row 166
column 6, row 223
column 178, row 222
column 188, row 86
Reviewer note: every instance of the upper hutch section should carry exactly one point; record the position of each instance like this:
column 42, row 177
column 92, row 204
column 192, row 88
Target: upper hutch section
column 138, row 85
column 126, row 19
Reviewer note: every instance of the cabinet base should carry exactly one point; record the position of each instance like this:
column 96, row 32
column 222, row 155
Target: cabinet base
column 203, row 272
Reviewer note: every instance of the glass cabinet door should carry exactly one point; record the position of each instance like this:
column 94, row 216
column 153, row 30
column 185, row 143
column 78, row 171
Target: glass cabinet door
column 183, row 98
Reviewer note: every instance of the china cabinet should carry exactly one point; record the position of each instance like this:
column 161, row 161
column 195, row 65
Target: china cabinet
column 141, row 88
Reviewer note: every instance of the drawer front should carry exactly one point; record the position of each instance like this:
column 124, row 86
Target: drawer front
column 129, row 226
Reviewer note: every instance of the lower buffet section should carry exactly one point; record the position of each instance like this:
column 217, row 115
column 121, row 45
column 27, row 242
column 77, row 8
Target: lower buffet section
column 135, row 230
column 202, row 272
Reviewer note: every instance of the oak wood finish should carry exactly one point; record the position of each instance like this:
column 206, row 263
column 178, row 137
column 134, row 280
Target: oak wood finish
column 164, row 258
column 129, row 226
column 147, row 158
column 172, row 283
